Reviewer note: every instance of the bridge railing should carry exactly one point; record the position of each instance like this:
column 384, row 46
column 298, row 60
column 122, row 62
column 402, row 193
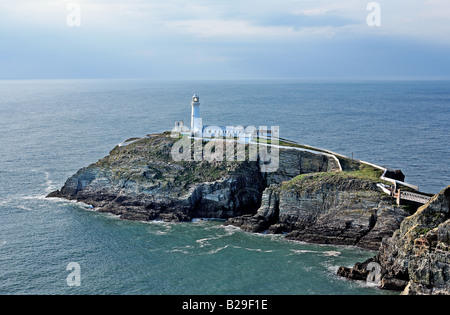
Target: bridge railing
column 407, row 195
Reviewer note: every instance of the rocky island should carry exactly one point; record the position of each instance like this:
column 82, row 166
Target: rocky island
column 313, row 196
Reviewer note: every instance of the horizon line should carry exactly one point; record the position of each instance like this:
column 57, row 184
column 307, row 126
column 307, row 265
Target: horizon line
column 392, row 78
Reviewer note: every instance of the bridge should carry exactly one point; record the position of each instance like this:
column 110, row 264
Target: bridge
column 410, row 196
column 398, row 194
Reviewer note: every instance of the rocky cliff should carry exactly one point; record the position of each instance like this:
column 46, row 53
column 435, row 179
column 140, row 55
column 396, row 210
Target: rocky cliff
column 327, row 208
column 416, row 259
column 142, row 181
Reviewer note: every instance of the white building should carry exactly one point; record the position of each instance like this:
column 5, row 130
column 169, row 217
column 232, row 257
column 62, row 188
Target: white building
column 241, row 133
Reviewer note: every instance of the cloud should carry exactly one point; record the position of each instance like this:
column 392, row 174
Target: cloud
column 307, row 20
column 216, row 38
column 204, row 18
column 243, row 29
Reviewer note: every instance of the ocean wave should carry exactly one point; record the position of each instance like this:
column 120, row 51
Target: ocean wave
column 330, row 253
column 23, row 201
column 80, row 204
column 255, row 249
column 196, row 220
column 160, row 232
column 177, row 250
column 332, row 268
column 228, row 232
column 5, row 202
column 34, row 197
column 215, row 251
column 205, row 241
column 22, row 207
column 159, row 227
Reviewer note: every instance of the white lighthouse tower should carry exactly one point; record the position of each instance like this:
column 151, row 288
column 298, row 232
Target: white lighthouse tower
column 196, row 121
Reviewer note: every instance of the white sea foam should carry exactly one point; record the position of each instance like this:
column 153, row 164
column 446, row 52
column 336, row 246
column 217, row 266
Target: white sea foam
column 165, row 227
column 215, row 251
column 255, row 249
column 331, row 253
column 332, row 268
column 80, row 204
column 50, row 184
column 5, row 201
column 302, row 251
column 14, row 200
column 196, row 220
column 205, row 241
column 24, row 208
column 33, row 197
column 176, row 250
column 160, row 232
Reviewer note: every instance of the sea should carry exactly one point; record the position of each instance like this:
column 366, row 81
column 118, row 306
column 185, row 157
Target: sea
column 51, row 128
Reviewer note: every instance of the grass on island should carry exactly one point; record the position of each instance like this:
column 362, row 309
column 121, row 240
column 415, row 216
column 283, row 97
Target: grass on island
column 310, row 180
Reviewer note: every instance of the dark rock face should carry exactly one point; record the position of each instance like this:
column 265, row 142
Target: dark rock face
column 419, row 250
column 416, row 259
column 326, row 208
column 141, row 182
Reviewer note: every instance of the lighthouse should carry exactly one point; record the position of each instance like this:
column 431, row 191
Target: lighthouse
column 196, row 121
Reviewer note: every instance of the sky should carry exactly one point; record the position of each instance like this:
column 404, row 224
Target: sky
column 224, row 39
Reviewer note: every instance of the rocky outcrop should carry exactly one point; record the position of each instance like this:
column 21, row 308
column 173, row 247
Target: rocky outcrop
column 142, row 181
column 326, row 208
column 416, row 259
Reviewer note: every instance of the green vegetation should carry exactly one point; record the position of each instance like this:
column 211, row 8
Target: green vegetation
column 367, row 172
column 306, row 181
column 422, row 231
column 149, row 159
column 196, row 172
